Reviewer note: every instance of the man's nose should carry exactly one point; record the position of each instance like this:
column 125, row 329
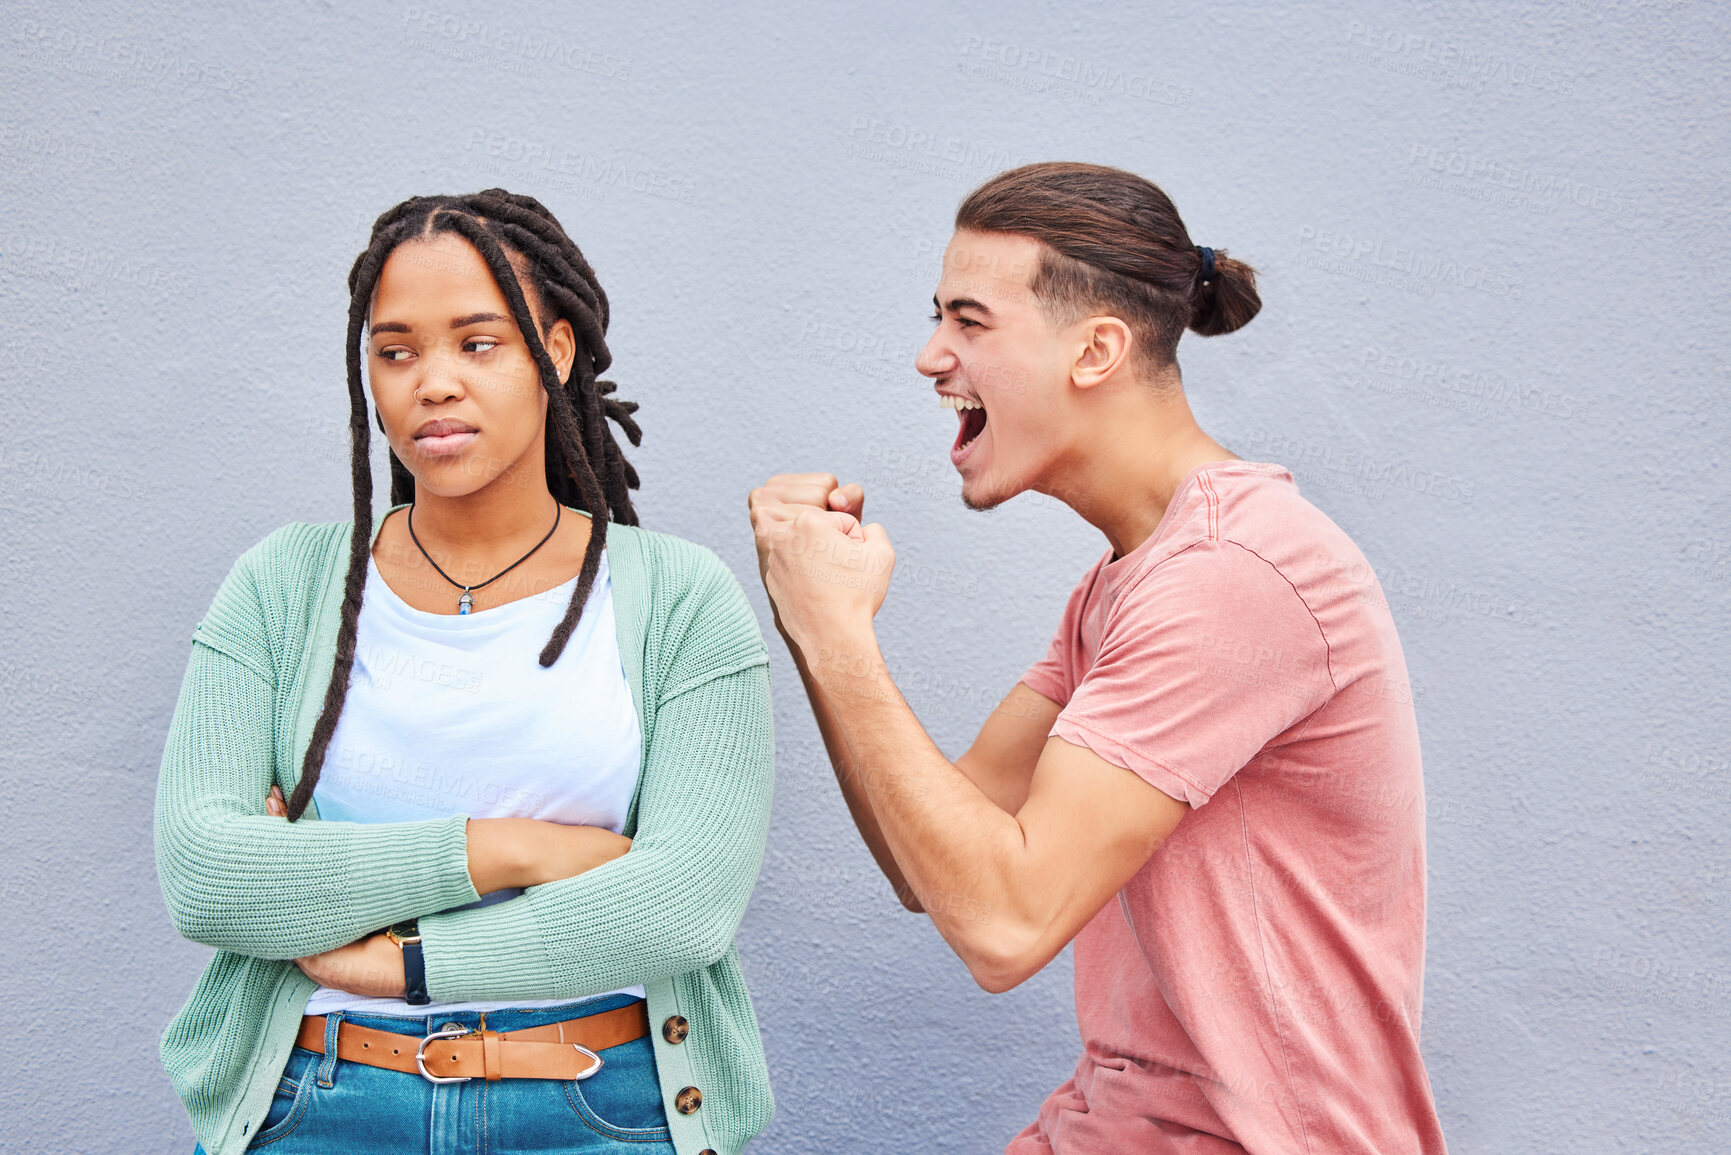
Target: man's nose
column 936, row 358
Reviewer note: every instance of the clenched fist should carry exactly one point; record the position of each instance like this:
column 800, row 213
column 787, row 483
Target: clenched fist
column 825, row 572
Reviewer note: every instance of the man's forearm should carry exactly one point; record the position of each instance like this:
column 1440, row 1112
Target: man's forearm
column 956, row 849
column 854, row 790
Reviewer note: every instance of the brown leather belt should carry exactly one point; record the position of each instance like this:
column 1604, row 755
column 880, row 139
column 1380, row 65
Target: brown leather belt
column 563, row 1050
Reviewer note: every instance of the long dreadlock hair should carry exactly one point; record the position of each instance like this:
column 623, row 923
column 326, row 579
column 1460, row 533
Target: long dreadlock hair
column 585, row 467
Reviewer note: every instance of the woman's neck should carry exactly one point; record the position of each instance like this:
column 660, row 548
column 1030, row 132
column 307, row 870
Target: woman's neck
column 498, row 543
column 492, row 519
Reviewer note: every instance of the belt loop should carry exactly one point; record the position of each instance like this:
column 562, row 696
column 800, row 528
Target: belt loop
column 328, row 1065
column 491, row 1066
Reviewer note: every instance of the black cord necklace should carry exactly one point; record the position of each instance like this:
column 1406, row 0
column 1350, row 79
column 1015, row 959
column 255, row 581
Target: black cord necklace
column 465, row 602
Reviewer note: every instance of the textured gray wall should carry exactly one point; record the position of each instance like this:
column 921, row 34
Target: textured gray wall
column 1492, row 240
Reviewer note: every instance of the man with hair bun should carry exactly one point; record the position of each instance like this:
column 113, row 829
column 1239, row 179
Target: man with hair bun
column 1211, row 783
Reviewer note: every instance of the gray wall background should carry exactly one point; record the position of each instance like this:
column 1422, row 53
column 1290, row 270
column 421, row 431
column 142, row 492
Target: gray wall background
column 1492, row 240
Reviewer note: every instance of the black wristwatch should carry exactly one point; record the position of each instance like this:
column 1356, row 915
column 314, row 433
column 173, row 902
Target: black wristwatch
column 407, row 935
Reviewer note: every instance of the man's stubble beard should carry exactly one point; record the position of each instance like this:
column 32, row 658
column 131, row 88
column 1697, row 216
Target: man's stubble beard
column 984, row 505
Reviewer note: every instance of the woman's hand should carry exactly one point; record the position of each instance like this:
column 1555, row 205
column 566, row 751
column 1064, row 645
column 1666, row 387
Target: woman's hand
column 528, row 851
column 519, row 852
column 372, row 968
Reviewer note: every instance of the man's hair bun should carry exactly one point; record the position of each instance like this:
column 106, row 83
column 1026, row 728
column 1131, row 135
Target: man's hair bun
column 1225, row 301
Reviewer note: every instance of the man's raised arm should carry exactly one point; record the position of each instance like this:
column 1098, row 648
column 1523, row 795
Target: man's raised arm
column 1006, row 890
column 1001, row 760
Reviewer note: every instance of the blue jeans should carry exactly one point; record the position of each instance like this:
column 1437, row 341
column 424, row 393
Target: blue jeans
column 329, row 1105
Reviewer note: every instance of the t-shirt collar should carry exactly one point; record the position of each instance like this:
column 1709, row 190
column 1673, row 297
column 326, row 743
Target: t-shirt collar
column 1117, row 570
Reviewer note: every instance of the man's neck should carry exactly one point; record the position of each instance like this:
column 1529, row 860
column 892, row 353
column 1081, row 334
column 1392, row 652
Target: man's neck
column 1137, row 452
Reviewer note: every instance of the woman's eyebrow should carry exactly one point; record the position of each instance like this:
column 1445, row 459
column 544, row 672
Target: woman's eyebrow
column 476, row 319
column 456, row 322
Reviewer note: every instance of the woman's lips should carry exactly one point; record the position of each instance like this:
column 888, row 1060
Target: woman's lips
column 444, row 436
column 441, row 444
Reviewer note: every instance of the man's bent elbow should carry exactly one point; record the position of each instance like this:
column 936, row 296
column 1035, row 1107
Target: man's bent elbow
column 995, row 976
column 1001, row 961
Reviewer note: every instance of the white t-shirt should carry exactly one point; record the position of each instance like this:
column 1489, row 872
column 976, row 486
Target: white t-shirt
column 454, row 714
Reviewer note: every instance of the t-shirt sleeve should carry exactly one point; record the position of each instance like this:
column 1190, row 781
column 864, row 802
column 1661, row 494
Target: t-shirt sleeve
column 1055, row 675
column 1205, row 659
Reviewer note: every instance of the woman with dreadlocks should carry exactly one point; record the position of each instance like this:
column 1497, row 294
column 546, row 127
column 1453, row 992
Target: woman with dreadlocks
column 525, row 746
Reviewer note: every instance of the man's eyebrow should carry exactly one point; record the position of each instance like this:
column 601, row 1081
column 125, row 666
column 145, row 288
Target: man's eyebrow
column 389, row 327
column 477, row 319
column 959, row 303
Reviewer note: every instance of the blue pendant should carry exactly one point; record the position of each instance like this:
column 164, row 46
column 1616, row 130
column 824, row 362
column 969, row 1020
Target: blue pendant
column 464, row 603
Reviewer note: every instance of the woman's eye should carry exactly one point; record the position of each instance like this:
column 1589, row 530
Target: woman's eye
column 937, row 318
column 394, row 353
column 479, row 345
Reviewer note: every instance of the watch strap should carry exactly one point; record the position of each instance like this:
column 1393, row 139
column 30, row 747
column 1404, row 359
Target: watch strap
column 407, row 935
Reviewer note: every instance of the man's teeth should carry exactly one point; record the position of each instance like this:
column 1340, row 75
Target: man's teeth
column 947, row 401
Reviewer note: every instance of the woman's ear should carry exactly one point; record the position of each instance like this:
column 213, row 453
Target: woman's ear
column 561, row 345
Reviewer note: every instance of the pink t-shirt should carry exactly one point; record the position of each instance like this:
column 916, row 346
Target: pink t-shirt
column 1256, row 985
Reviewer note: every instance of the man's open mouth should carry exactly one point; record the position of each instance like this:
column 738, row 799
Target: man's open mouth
column 973, row 418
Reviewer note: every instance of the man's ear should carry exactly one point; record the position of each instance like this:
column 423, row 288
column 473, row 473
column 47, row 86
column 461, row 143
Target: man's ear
column 1105, row 344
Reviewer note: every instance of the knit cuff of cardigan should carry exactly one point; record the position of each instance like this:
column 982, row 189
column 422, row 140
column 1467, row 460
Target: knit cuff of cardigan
column 486, row 953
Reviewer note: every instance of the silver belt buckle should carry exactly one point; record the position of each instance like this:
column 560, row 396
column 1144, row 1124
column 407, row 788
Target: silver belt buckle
column 599, row 1062
column 421, row 1057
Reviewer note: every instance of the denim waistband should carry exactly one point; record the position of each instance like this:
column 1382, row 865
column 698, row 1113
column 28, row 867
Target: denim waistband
column 506, row 1020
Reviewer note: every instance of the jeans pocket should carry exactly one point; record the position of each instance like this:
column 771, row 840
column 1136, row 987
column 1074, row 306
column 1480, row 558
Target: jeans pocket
column 288, row 1106
column 623, row 1099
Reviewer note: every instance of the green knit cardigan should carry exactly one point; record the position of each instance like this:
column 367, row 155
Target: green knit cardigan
column 265, row 891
